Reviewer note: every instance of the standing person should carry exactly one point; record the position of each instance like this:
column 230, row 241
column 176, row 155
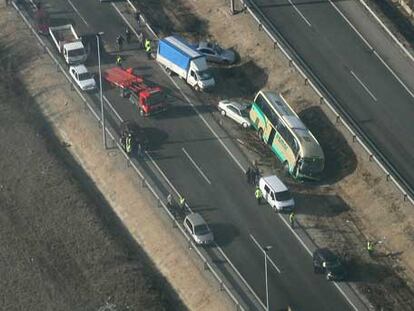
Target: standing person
column 128, row 144
column 256, row 174
column 170, row 201
column 140, row 40
column 370, row 248
column 181, row 202
column 138, row 19
column 258, row 195
column 147, row 47
column 118, row 61
column 249, row 175
column 292, row 219
column 120, row 42
column 127, row 35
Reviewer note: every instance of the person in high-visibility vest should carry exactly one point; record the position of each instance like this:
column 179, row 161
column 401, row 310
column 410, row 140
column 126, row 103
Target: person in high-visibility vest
column 258, row 195
column 181, row 202
column 370, row 248
column 292, row 219
column 118, row 61
column 128, row 144
column 147, row 47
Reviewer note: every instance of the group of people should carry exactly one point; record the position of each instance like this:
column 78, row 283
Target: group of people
column 146, row 44
column 253, row 175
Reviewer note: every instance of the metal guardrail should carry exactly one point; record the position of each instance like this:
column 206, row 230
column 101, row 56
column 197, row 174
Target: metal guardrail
column 287, row 51
column 144, row 181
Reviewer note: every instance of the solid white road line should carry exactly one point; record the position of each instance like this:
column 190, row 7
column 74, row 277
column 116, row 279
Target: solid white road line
column 363, row 85
column 372, row 49
column 394, row 74
column 300, row 13
column 196, row 166
column 77, row 12
column 261, row 248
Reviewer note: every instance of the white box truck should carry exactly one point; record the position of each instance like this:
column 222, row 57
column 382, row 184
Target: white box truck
column 68, row 44
column 178, row 56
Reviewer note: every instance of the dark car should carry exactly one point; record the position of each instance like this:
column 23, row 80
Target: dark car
column 325, row 261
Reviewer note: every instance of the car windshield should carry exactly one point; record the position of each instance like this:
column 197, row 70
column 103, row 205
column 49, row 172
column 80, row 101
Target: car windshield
column 76, row 52
column 201, row 229
column 218, row 49
column 84, row 76
column 204, row 75
column 156, row 98
column 312, row 165
column 283, row 196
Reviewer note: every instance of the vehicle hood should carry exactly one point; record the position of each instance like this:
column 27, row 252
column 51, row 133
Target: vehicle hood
column 228, row 55
column 88, row 84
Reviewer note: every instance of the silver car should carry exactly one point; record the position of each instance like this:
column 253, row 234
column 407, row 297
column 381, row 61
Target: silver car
column 238, row 111
column 196, row 226
column 215, row 53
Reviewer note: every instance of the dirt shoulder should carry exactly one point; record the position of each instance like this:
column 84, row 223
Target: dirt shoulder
column 355, row 203
column 78, row 232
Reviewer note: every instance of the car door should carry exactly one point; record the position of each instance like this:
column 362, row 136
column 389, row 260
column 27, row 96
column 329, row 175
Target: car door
column 192, row 78
column 73, row 74
column 189, row 226
column 210, row 54
column 233, row 113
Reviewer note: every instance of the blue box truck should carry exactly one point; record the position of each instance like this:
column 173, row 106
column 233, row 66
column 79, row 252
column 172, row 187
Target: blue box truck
column 179, row 57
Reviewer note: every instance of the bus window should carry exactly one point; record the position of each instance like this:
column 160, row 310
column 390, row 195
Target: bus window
column 288, row 137
column 260, row 101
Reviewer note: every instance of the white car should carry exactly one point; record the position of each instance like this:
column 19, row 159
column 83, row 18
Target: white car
column 198, row 229
column 276, row 193
column 82, row 77
column 237, row 111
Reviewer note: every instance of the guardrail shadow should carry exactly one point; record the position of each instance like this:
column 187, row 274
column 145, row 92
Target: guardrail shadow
column 340, row 159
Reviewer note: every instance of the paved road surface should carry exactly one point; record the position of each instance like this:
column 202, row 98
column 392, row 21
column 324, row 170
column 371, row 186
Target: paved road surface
column 222, row 195
column 380, row 101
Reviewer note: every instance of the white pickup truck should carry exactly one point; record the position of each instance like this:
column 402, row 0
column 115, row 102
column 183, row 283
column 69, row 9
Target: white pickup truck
column 69, row 44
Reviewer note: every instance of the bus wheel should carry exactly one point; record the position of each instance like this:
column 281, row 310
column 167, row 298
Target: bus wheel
column 286, row 168
column 260, row 133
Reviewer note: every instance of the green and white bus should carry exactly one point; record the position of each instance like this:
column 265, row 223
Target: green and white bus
column 281, row 128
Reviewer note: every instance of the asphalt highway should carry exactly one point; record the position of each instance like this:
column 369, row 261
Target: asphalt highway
column 368, row 76
column 198, row 165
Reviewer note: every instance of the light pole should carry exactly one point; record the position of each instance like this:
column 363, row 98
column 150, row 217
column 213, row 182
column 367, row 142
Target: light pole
column 265, row 250
column 98, row 35
column 232, row 7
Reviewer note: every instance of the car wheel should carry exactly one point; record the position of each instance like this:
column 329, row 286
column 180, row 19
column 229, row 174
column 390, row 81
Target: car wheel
column 223, row 113
column 245, row 125
column 260, row 133
column 197, row 88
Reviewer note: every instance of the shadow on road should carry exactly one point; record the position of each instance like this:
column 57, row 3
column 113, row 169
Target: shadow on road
column 224, row 233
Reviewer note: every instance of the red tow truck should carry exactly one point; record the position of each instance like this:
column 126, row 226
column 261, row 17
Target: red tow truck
column 148, row 99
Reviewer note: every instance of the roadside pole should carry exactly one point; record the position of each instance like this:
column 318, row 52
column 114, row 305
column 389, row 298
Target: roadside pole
column 232, row 12
column 100, row 88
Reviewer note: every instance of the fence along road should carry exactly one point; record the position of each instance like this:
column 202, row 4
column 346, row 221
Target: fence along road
column 351, row 77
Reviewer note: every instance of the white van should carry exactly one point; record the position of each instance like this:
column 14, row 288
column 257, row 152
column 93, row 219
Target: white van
column 276, row 193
